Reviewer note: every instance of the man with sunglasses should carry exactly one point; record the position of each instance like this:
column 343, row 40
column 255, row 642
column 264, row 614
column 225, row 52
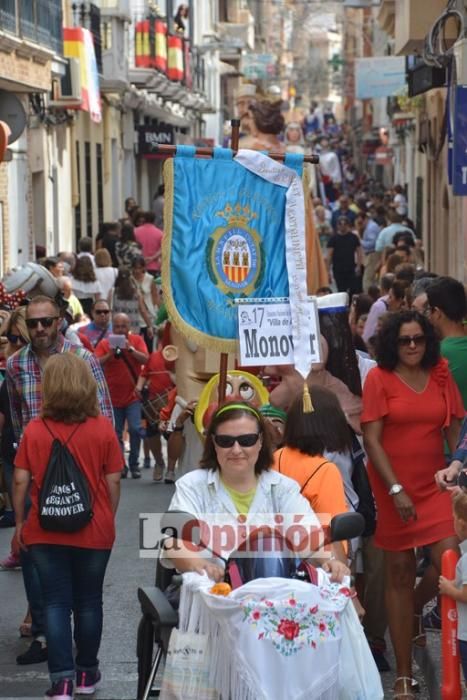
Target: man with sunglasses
column 100, row 326
column 24, row 383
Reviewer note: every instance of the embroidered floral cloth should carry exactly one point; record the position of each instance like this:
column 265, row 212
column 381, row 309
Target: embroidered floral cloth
column 271, row 638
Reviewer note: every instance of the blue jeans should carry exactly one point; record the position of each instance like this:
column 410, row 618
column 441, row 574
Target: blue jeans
column 132, row 414
column 71, row 579
column 32, row 586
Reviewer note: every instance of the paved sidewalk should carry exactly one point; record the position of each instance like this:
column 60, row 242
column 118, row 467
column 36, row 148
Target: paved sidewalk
column 125, row 573
column 121, row 610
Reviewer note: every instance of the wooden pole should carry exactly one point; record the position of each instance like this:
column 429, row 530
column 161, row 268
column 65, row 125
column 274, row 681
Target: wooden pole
column 224, row 359
column 169, row 151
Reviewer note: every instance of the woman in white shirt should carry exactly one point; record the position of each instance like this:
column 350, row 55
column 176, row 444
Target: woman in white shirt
column 84, row 283
column 235, row 480
column 105, row 273
column 147, row 289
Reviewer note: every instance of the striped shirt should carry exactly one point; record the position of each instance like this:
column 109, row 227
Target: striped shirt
column 24, row 383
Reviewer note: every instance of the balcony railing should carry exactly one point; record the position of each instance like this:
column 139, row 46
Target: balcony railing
column 88, row 16
column 39, row 21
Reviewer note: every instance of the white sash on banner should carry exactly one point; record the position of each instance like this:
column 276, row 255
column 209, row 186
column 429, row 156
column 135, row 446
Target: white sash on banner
column 295, row 247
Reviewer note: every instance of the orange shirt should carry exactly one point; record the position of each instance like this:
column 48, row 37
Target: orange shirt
column 324, row 490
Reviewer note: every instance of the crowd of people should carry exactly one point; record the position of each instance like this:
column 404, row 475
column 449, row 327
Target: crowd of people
column 388, row 400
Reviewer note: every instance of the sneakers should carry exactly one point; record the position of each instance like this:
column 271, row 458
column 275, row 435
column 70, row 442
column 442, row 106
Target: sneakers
column 86, row 682
column 11, row 563
column 36, row 654
column 60, row 690
column 147, row 463
column 135, row 473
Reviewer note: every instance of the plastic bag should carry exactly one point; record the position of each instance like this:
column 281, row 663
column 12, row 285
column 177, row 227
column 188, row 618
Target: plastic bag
column 186, row 673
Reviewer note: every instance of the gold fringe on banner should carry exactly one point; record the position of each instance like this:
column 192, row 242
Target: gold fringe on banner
column 307, row 404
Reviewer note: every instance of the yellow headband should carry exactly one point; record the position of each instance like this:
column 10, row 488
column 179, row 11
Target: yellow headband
column 238, row 406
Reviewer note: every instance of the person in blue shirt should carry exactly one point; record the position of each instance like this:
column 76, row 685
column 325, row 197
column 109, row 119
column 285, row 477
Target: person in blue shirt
column 343, row 211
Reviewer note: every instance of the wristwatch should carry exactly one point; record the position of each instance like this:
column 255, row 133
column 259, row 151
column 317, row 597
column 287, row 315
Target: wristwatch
column 395, row 489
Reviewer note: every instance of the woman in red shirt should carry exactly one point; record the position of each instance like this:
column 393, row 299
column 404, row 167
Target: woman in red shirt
column 71, row 566
column 410, row 402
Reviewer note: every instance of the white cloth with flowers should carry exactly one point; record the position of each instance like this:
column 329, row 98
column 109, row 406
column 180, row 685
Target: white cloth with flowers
column 276, row 638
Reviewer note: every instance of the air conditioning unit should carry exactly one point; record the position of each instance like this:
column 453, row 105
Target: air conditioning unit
column 66, row 91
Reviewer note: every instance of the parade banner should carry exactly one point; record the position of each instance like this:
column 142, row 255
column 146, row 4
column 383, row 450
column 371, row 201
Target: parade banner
column 234, row 230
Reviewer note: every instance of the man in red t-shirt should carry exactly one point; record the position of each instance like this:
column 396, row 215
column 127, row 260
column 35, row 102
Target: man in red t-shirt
column 150, row 238
column 121, row 356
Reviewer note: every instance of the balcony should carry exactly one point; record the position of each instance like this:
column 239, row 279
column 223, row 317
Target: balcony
column 88, row 16
column 116, row 8
column 36, row 21
column 237, row 34
column 409, row 21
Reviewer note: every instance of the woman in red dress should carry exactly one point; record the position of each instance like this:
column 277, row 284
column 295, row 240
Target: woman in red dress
column 410, row 402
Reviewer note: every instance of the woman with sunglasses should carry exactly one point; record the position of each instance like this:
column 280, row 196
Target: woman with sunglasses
column 410, row 403
column 236, row 479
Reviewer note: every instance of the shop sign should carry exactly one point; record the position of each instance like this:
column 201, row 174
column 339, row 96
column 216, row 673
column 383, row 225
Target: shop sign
column 150, row 137
column 379, row 76
column 265, row 332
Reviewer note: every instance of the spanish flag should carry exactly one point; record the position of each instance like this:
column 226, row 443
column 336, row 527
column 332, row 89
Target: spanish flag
column 79, row 44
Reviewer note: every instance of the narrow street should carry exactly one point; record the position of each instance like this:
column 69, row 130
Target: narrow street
column 121, row 609
column 126, row 572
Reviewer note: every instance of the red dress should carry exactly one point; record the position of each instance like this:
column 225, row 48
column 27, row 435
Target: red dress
column 412, row 439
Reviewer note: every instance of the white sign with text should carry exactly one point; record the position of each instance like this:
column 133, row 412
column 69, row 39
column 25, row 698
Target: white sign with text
column 265, row 332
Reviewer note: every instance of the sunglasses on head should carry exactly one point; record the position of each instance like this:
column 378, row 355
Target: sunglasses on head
column 406, row 340
column 247, row 440
column 14, row 339
column 46, row 321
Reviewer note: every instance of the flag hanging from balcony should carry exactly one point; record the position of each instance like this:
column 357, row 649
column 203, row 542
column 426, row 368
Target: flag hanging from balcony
column 142, row 44
column 160, row 46
column 175, row 58
column 79, row 44
column 234, row 228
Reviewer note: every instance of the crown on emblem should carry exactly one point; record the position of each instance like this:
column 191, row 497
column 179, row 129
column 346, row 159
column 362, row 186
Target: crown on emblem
column 237, row 215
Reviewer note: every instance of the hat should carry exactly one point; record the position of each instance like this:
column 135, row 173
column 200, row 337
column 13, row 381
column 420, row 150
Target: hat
column 245, row 90
column 269, row 411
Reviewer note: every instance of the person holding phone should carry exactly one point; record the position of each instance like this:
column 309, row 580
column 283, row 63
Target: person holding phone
column 121, row 356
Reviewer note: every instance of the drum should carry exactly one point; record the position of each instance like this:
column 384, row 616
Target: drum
column 152, row 407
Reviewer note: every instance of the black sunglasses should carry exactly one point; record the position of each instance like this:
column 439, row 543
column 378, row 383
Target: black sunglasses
column 101, row 311
column 14, row 339
column 406, row 340
column 46, row 321
column 247, row 440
